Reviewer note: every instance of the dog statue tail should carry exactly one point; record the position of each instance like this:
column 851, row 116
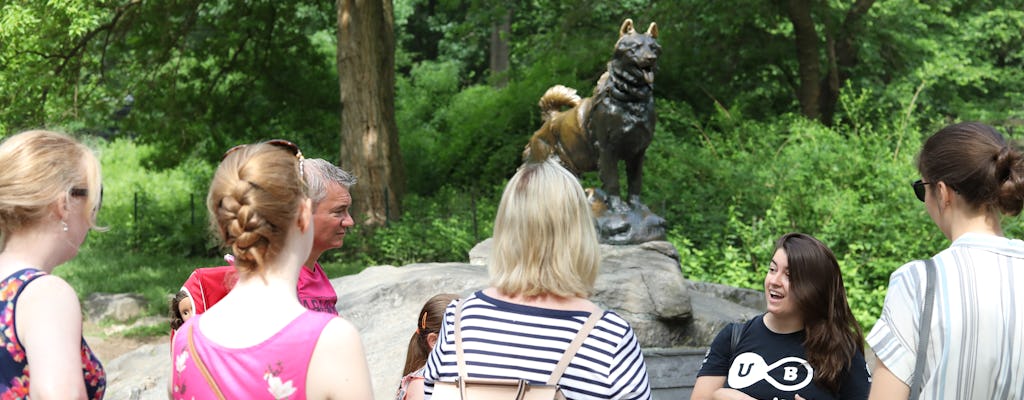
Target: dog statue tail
column 554, row 99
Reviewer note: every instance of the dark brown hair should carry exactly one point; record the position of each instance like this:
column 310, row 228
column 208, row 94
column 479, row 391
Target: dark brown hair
column 427, row 321
column 833, row 335
column 176, row 319
column 978, row 163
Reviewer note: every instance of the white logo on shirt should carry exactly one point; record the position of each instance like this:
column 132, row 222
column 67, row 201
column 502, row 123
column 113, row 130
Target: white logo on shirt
column 749, row 368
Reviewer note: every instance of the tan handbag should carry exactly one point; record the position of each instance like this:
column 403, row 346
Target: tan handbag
column 465, row 388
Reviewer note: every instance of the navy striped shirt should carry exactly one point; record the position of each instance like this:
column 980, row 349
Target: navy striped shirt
column 513, row 341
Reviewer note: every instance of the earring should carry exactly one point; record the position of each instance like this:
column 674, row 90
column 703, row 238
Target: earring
column 64, row 226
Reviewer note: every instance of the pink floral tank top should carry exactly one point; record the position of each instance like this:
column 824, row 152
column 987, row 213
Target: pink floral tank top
column 274, row 369
column 14, row 367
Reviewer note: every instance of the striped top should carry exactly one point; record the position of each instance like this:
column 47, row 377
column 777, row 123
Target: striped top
column 513, row 341
column 976, row 348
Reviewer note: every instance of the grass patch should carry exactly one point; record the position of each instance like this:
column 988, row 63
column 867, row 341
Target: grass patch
column 146, row 331
column 153, row 276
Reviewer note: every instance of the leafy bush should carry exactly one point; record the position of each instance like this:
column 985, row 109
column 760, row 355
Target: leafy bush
column 149, row 210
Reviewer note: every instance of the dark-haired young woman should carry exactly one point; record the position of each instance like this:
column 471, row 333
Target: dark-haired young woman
column 970, row 175
column 808, row 345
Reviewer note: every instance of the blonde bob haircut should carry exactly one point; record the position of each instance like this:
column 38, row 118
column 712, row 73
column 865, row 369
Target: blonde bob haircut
column 544, row 236
column 254, row 198
column 39, row 167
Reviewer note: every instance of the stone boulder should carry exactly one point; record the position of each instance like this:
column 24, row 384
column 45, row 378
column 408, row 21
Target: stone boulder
column 141, row 374
column 118, row 307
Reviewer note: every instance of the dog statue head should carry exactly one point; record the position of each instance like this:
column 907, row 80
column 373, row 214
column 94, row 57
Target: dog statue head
column 639, row 50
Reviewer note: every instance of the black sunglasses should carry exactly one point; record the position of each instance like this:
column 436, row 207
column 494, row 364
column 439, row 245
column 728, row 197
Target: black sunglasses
column 83, row 192
column 284, row 144
column 919, row 188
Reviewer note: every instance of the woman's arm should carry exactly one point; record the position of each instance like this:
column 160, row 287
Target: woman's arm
column 415, row 390
column 713, row 388
column 885, row 384
column 337, row 369
column 48, row 321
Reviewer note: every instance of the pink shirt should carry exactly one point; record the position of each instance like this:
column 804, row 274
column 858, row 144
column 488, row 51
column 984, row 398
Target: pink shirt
column 273, row 369
column 315, row 290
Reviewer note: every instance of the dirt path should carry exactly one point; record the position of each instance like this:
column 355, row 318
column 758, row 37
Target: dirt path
column 110, row 346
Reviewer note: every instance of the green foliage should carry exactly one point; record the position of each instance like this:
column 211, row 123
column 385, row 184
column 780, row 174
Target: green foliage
column 440, row 228
column 154, row 275
column 848, row 187
column 148, row 210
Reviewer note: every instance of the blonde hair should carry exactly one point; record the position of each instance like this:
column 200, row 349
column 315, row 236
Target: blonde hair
column 254, row 197
column 39, row 167
column 544, row 236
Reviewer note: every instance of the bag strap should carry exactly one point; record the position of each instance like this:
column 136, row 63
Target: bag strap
column 202, row 366
column 917, row 384
column 737, row 334
column 595, row 315
column 461, row 358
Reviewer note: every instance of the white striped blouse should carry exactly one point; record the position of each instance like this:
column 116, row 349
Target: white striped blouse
column 976, row 345
column 507, row 340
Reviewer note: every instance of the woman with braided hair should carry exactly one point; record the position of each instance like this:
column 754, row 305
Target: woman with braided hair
column 259, row 342
column 971, row 348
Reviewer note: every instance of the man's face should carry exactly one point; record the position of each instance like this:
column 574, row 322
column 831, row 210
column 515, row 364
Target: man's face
column 331, row 219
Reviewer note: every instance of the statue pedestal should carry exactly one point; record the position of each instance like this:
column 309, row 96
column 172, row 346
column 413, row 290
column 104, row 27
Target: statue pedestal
column 635, row 225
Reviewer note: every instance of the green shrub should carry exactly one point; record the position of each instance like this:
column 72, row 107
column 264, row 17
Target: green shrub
column 149, row 210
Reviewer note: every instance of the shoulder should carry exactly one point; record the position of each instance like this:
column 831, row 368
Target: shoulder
column 338, row 335
column 51, row 290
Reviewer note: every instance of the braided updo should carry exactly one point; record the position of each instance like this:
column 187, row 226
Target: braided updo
column 978, row 163
column 254, row 196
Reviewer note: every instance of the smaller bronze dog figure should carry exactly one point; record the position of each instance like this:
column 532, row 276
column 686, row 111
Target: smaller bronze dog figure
column 615, row 123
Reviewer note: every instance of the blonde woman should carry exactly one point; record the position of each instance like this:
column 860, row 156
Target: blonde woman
column 49, row 195
column 259, row 342
column 543, row 269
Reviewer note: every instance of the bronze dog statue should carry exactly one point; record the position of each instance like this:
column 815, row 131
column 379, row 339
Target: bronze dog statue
column 615, row 123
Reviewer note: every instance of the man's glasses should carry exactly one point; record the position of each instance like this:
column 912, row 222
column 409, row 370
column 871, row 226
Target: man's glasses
column 284, row 144
column 919, row 188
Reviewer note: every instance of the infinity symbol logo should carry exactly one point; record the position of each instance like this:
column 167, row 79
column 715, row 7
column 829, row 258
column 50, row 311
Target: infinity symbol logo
column 750, row 368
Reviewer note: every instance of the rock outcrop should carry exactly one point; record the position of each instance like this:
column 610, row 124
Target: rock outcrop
column 642, row 283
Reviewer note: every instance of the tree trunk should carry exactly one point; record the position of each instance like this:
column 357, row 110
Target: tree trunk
column 842, row 57
column 500, row 32
column 807, row 56
column 369, row 134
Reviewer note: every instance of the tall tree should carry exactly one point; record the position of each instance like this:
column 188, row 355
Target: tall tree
column 501, row 30
column 369, row 134
column 817, row 95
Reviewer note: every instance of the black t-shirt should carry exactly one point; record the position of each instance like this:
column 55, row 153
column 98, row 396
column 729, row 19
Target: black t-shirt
column 773, row 366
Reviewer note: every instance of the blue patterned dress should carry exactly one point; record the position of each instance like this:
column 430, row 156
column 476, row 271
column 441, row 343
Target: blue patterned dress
column 14, row 368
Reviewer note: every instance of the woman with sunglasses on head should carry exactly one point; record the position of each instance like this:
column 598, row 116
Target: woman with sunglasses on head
column 259, row 342
column 49, row 195
column 807, row 346
column 970, row 175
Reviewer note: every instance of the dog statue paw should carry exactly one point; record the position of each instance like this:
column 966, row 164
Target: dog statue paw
column 627, row 224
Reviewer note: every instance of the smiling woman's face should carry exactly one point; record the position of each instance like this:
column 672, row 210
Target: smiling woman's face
column 781, row 302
